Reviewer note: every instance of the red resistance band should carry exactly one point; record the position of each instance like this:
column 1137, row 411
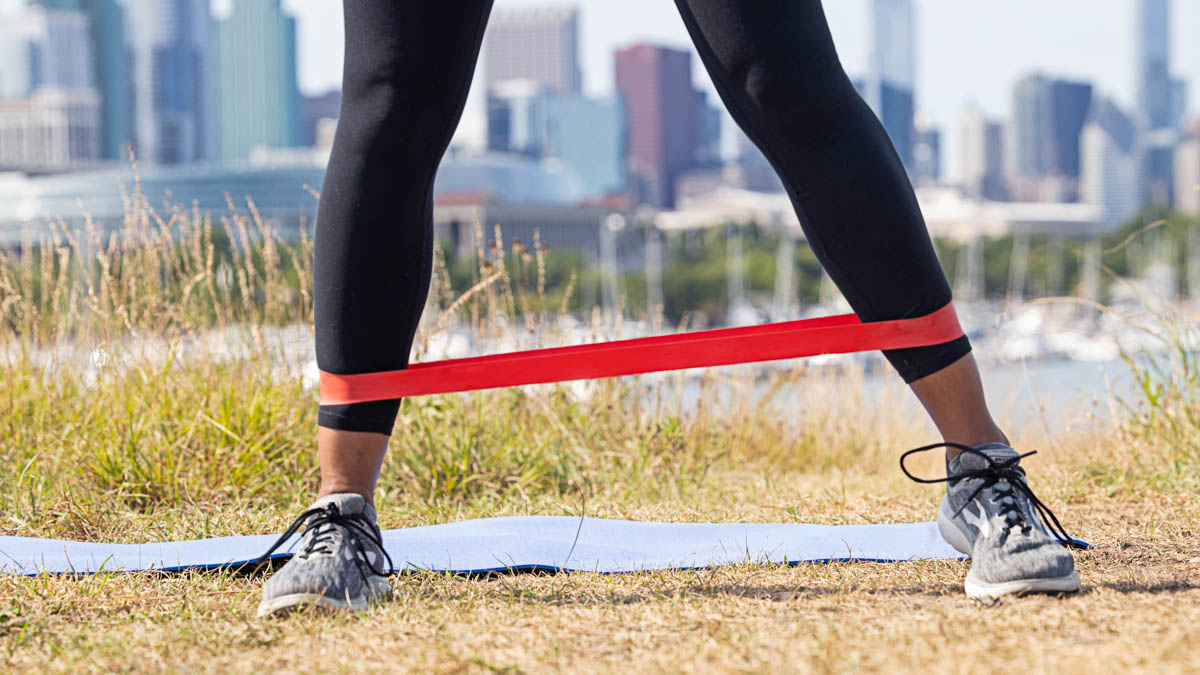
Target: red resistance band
column 840, row 334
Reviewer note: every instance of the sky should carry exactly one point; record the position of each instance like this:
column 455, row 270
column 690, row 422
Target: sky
column 968, row 52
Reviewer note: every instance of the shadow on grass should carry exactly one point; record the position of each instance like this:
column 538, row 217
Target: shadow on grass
column 1152, row 588
column 770, row 592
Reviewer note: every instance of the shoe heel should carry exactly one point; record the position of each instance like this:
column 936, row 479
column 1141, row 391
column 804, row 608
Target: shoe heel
column 951, row 533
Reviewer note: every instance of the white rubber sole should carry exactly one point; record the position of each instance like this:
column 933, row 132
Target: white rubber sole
column 287, row 603
column 983, row 590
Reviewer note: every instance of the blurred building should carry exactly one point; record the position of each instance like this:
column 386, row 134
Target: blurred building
column 43, row 48
column 1160, row 99
column 927, row 152
column 890, row 84
column 588, row 136
column 49, row 106
column 1032, row 128
column 172, row 76
column 981, row 156
column 110, row 67
column 1048, row 116
column 516, row 117
column 751, row 170
column 539, row 44
column 950, row 214
column 258, row 97
column 708, row 132
column 656, row 84
column 1187, row 171
column 52, row 129
column 278, row 194
column 1111, row 162
column 1154, row 76
column 1072, row 100
column 317, row 113
column 543, row 191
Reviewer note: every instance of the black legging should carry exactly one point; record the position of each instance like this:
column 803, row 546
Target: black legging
column 408, row 67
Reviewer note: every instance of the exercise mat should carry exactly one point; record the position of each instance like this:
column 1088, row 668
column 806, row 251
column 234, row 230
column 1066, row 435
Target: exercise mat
column 519, row 543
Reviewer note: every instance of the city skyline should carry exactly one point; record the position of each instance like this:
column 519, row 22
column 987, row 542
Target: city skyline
column 1073, row 40
column 215, row 106
column 212, row 84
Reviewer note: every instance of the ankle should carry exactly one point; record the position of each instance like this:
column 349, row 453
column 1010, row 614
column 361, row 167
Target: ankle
column 339, row 488
column 974, row 438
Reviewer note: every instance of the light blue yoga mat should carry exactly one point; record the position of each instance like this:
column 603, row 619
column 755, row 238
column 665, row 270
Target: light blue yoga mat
column 520, row 543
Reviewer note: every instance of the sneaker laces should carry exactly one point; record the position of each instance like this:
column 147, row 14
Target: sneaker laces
column 319, row 527
column 1006, row 477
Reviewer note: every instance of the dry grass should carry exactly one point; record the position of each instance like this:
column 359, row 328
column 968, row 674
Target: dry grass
column 118, row 425
column 1140, row 608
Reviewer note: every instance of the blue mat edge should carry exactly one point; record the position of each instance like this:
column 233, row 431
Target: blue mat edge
column 487, row 570
column 410, row 568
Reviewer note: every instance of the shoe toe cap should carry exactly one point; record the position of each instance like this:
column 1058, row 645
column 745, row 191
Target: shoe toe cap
column 1016, row 560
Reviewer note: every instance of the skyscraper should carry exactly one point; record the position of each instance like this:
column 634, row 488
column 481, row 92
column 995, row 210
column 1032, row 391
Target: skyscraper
column 656, row 84
column 44, row 48
column 539, row 44
column 1033, row 127
column 258, row 98
column 1110, row 162
column 1160, row 99
column 516, row 117
column 173, row 108
column 1154, row 76
column 49, row 106
column 1071, row 101
column 981, row 156
column 891, row 78
column 927, row 152
column 110, row 63
column 112, row 59
column 708, row 132
column 588, row 136
column 1048, row 116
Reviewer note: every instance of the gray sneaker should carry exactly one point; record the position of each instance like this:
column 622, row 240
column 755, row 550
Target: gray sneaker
column 990, row 514
column 340, row 563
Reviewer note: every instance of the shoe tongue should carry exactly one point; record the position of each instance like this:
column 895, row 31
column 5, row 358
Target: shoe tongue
column 348, row 504
column 969, row 461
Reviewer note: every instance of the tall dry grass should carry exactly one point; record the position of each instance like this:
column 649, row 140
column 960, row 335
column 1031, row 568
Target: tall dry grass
column 164, row 367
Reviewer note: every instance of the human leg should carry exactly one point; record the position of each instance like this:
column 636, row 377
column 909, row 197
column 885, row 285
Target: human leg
column 777, row 71
column 407, row 72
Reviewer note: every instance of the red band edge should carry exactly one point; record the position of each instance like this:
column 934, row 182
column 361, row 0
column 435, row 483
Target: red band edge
column 841, row 334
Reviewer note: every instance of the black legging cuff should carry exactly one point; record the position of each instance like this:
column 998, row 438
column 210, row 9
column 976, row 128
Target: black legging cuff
column 917, row 362
column 377, row 417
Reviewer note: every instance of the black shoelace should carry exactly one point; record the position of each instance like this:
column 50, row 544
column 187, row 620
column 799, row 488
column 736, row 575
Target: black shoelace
column 1006, row 476
column 322, row 521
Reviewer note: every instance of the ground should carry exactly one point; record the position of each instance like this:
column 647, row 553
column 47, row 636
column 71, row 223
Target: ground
column 1139, row 608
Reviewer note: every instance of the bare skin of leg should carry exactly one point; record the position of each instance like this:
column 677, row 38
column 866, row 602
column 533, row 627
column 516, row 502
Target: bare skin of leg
column 953, row 397
column 350, row 461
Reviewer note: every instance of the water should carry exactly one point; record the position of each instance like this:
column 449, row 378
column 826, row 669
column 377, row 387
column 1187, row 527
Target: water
column 1058, row 395
column 1052, row 397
